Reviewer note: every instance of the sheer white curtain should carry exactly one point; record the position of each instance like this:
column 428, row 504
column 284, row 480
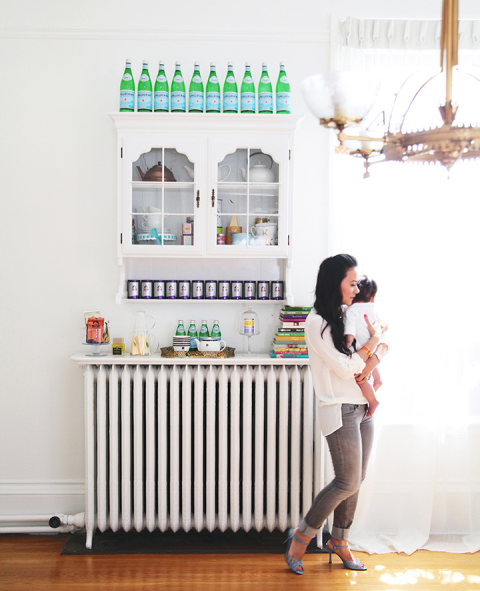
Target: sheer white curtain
column 416, row 232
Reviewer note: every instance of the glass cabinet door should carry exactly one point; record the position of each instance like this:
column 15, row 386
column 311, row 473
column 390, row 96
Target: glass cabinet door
column 162, row 207
column 250, row 195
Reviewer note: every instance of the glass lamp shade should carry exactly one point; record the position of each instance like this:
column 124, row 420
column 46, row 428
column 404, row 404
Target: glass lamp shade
column 341, row 95
column 363, row 146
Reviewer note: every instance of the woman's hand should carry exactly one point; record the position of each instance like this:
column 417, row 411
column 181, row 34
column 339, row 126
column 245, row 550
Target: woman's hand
column 376, row 328
column 363, row 377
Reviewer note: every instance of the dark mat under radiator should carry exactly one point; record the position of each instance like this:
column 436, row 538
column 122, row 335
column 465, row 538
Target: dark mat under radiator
column 181, row 542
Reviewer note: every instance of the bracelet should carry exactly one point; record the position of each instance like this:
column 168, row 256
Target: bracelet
column 367, row 351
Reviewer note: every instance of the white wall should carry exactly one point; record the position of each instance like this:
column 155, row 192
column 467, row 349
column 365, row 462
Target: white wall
column 61, row 67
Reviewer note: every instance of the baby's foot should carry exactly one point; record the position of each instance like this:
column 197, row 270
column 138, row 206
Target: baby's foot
column 372, row 407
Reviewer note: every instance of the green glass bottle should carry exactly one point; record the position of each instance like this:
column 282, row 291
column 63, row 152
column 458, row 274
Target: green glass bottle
column 144, row 93
column 230, row 92
column 127, row 90
column 178, row 98
column 161, row 95
column 216, row 334
column 193, row 334
column 180, row 329
column 195, row 92
column 204, row 334
column 213, row 92
column 265, row 95
column 282, row 92
column 247, row 92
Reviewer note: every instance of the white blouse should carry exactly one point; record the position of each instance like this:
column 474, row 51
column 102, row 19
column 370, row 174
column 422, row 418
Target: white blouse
column 332, row 373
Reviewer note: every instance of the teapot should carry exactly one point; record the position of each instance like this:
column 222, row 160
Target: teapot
column 190, row 172
column 259, row 173
column 209, row 344
column 157, row 173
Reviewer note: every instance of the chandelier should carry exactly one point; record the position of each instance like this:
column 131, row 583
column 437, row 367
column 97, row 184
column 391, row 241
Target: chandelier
column 342, row 100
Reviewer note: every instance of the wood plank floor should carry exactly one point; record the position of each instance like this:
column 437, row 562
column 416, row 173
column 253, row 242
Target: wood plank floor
column 34, row 563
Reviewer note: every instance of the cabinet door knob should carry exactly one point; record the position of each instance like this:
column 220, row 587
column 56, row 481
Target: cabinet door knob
column 198, row 199
column 213, row 197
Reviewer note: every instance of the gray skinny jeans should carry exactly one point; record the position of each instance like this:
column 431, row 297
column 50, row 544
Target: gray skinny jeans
column 350, row 448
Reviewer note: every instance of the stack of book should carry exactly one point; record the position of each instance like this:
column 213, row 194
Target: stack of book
column 290, row 338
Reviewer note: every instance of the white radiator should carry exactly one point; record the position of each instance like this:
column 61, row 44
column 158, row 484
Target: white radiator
column 199, row 446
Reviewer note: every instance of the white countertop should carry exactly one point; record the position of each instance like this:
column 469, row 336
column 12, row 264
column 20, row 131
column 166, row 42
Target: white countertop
column 155, row 359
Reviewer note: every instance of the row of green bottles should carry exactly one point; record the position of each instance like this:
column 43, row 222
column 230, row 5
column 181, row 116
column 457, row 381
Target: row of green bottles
column 160, row 94
column 204, row 332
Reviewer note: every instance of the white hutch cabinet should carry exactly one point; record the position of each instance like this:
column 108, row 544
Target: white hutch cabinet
column 213, row 171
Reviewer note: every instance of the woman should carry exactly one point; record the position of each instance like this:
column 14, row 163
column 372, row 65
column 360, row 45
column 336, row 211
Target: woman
column 336, row 371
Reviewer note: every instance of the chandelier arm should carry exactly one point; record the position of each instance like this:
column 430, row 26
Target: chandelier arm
column 413, row 99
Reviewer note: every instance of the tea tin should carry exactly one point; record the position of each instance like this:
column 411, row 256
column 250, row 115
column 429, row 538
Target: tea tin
column 237, row 290
column 263, row 290
column 159, row 289
column 133, row 289
column 171, row 289
column 210, row 290
column 147, row 289
column 249, row 290
column 224, row 290
column 277, row 290
column 183, row 289
column 197, row 290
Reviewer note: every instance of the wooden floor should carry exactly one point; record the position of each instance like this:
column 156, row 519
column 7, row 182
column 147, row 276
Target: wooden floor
column 34, row 563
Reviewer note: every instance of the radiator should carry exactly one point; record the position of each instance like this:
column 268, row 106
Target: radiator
column 199, row 446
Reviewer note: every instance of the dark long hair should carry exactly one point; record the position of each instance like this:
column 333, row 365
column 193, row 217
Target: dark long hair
column 368, row 289
column 328, row 296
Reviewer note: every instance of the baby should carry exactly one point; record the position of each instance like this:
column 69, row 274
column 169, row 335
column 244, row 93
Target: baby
column 356, row 328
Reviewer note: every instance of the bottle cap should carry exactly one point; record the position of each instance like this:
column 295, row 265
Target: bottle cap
column 117, row 341
column 247, row 64
column 196, row 64
column 128, row 61
column 161, row 63
column 177, row 63
column 264, row 64
column 212, row 63
column 192, row 321
column 145, row 62
column 282, row 64
column 230, row 64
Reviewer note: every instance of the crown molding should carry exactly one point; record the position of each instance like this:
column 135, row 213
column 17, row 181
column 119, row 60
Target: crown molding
column 164, row 34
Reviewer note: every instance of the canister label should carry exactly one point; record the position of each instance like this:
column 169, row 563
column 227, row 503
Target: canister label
column 249, row 326
column 144, row 99
column 127, row 99
column 178, row 101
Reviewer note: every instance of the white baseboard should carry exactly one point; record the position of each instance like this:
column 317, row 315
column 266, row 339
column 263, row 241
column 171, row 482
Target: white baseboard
column 42, row 497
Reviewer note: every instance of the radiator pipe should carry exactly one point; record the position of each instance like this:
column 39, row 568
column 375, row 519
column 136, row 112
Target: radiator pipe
column 56, row 523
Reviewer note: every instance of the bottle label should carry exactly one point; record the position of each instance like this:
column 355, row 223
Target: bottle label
column 213, row 80
column 230, row 101
column 160, row 101
column 204, row 331
column 161, row 78
column 213, row 101
column 127, row 99
column 178, row 78
column 265, row 80
column 144, row 78
column 283, row 101
column 127, row 77
column 265, row 101
column 144, row 99
column 248, row 101
column 231, row 79
column 248, row 79
column 178, row 101
column 195, row 101
column 284, row 80
column 180, row 330
column 197, row 79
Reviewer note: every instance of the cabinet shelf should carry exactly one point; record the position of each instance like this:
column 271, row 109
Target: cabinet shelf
column 173, row 186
